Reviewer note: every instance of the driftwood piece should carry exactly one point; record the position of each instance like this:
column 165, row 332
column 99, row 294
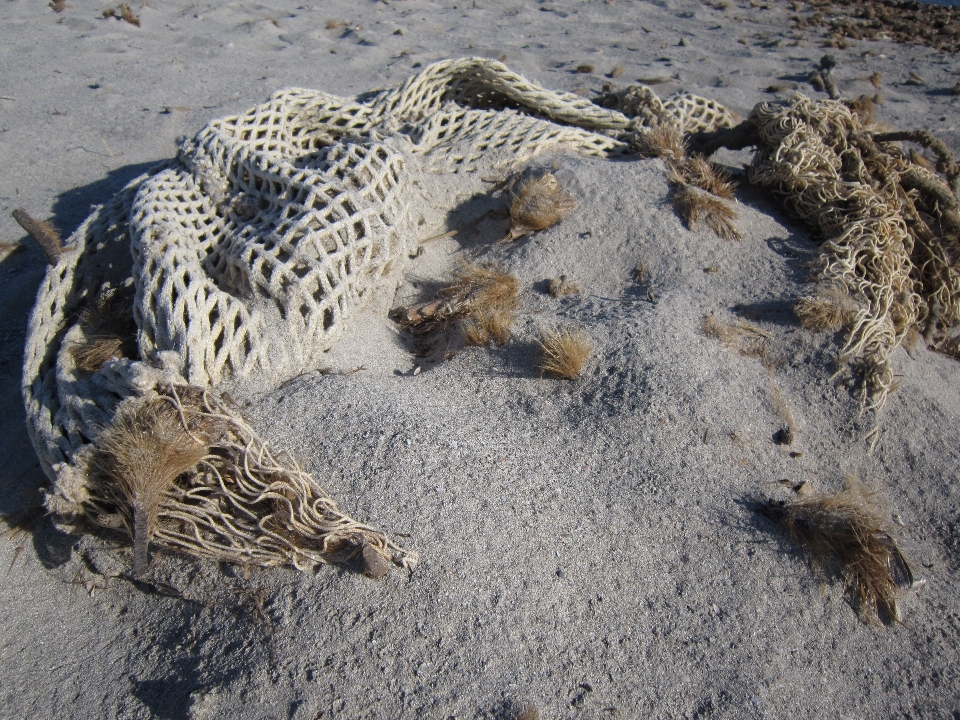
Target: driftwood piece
column 738, row 137
column 43, row 233
column 421, row 313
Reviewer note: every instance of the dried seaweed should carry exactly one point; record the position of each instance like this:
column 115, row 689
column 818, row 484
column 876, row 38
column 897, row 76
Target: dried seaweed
column 144, row 452
column 845, row 536
column 537, row 203
column 564, row 353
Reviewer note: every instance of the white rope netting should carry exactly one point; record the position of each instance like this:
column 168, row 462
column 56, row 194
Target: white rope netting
column 249, row 252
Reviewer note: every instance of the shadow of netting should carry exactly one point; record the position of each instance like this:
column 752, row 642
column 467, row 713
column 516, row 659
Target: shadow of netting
column 22, row 480
column 73, row 206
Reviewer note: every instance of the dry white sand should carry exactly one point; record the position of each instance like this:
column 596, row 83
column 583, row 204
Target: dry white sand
column 585, row 546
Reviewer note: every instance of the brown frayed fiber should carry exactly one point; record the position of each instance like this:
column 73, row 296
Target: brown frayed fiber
column 95, row 350
column 564, row 353
column 746, row 339
column 482, row 298
column 696, row 206
column 144, row 452
column 474, row 333
column 537, row 203
column 831, row 308
column 662, row 141
column 702, row 173
column 844, row 535
column 43, row 233
column 109, row 331
column 483, row 288
column 186, row 471
column 493, row 325
column 864, row 107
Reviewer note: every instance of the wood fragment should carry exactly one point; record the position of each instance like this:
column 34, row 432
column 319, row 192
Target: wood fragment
column 42, row 232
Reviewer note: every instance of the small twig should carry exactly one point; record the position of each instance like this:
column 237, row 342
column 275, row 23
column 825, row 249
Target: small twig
column 625, row 299
column 441, row 236
column 109, row 151
column 745, row 134
column 43, row 233
column 933, row 321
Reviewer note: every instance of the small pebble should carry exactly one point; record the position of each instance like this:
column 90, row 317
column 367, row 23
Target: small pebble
column 783, row 436
column 374, row 565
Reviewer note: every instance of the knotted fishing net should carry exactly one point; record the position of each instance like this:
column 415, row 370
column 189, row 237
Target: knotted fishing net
column 888, row 217
column 247, row 254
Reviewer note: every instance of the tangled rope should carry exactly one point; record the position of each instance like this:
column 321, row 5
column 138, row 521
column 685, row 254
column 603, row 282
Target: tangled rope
column 889, row 225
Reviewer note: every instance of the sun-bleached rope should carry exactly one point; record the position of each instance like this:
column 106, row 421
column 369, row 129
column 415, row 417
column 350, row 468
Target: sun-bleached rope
column 248, row 253
column 874, row 208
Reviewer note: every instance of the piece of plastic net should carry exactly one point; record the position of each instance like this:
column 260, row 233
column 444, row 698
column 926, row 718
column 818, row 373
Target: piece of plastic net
column 250, row 251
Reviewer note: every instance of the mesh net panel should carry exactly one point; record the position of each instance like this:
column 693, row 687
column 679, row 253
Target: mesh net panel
column 248, row 253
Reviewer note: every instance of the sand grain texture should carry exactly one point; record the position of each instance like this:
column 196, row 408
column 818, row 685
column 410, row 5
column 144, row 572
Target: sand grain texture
column 585, row 545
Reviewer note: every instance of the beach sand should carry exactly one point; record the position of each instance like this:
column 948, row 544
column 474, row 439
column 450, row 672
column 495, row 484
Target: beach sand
column 586, row 548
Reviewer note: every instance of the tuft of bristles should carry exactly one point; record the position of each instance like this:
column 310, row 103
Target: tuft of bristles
column 537, row 203
column 844, row 535
column 144, row 451
column 90, row 355
column 696, row 206
column 491, row 325
column 830, row 309
column 864, row 107
column 661, row 141
column 702, row 173
column 481, row 300
column 564, row 353
column 700, row 187
column 109, row 331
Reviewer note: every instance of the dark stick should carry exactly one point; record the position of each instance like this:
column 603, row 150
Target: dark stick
column 736, row 138
column 43, row 233
column 830, row 85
